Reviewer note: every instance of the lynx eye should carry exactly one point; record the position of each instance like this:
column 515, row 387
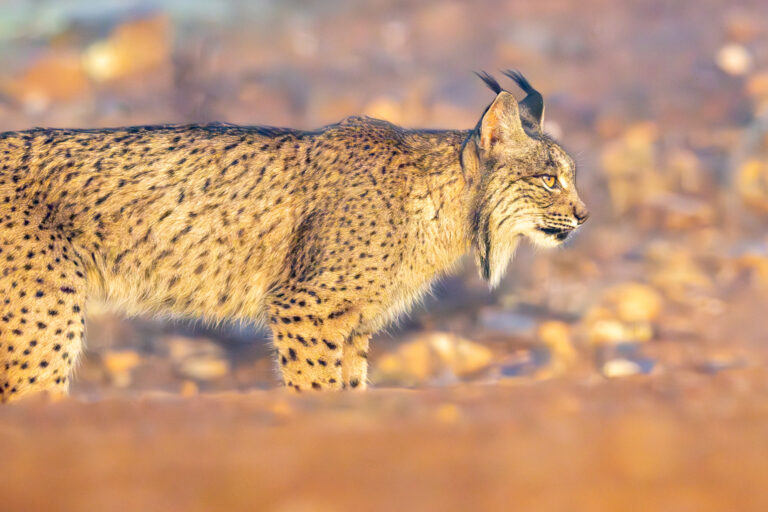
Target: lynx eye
column 549, row 181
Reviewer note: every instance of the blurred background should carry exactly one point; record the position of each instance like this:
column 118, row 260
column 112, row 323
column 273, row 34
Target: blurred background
column 664, row 105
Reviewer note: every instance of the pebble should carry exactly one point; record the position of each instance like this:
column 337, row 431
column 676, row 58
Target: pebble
column 734, row 59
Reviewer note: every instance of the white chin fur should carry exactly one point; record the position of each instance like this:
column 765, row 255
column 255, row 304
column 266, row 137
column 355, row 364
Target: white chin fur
column 500, row 258
column 543, row 240
column 503, row 253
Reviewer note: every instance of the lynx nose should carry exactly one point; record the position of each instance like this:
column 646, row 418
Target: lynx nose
column 580, row 212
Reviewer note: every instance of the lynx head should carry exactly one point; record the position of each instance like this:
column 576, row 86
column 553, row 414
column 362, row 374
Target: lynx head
column 525, row 181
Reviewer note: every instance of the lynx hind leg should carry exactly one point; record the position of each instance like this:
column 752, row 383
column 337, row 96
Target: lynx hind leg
column 354, row 366
column 42, row 287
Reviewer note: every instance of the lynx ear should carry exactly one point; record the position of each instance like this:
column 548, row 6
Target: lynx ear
column 501, row 122
column 532, row 106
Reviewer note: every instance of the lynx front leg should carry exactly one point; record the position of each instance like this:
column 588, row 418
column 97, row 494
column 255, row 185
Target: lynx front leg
column 310, row 340
column 354, row 366
column 308, row 358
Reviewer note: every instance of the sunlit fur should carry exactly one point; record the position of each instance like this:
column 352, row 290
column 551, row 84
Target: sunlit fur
column 326, row 235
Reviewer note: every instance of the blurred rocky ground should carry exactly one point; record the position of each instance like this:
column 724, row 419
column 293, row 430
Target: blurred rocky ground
column 664, row 105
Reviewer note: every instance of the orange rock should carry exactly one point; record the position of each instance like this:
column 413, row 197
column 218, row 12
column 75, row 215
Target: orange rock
column 119, row 364
column 756, row 264
column 636, row 302
column 385, row 108
column 409, row 364
column 603, row 327
column 757, row 85
column 200, row 359
column 54, row 77
column 181, row 347
column 625, row 314
column 620, row 368
column 203, row 367
column 556, row 336
column 282, row 409
column 430, row 355
column 752, row 184
column 133, row 48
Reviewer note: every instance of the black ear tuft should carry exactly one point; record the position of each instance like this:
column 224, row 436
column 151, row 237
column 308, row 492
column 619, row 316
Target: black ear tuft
column 532, row 106
column 489, row 81
column 520, row 80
